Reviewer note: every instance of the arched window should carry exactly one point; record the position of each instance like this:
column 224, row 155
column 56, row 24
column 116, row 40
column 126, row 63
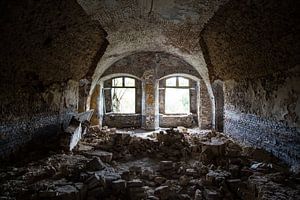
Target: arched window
column 120, row 97
column 177, row 95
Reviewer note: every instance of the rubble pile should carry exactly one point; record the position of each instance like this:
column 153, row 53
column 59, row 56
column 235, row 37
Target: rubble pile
column 174, row 144
column 171, row 164
column 124, row 146
column 76, row 129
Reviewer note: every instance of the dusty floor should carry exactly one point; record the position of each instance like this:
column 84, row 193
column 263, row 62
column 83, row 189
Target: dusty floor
column 134, row 164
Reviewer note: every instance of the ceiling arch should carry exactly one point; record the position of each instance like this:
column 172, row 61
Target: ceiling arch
column 171, row 26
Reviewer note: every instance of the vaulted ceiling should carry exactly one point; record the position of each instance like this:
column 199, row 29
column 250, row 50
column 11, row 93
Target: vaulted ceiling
column 172, row 26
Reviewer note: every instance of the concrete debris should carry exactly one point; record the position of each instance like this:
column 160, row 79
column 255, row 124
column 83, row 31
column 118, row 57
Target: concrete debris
column 119, row 185
column 95, row 164
column 217, row 176
column 261, row 166
column 71, row 135
column 211, row 194
column 162, row 192
column 103, row 155
column 174, row 164
column 198, row 195
column 77, row 127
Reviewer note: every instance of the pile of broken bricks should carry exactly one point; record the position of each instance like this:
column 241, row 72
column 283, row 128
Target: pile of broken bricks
column 184, row 166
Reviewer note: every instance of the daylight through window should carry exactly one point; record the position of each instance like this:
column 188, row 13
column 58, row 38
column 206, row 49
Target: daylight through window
column 123, row 95
column 177, row 96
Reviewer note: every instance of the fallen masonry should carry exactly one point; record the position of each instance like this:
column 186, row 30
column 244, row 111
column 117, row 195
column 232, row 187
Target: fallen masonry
column 171, row 164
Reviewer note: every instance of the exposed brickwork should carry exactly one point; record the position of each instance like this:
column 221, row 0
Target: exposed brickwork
column 130, row 20
column 122, row 120
column 188, row 121
column 247, row 39
column 16, row 134
column 47, row 47
column 276, row 137
column 254, row 48
column 165, row 64
column 94, row 105
column 218, row 91
column 206, row 107
column 265, row 113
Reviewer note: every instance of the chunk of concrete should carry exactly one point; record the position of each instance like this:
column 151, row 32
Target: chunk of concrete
column 103, row 155
column 95, row 164
column 119, row 185
column 135, row 183
column 211, row 194
column 162, row 192
column 68, row 192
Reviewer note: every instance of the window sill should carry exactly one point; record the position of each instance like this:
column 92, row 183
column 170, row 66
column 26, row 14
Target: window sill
column 176, row 115
column 122, row 114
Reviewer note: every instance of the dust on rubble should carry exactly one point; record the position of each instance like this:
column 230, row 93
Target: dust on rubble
column 170, row 164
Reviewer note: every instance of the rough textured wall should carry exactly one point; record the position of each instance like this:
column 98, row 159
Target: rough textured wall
column 254, row 47
column 46, row 47
column 205, row 108
column 162, row 25
column 122, row 120
column 165, row 64
column 265, row 112
column 218, row 90
column 252, row 38
column 188, row 121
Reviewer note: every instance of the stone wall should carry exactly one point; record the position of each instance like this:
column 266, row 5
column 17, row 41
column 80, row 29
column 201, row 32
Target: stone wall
column 218, row 91
column 253, row 46
column 188, row 121
column 122, row 120
column 265, row 113
column 164, row 64
column 249, row 39
column 205, row 108
column 47, row 47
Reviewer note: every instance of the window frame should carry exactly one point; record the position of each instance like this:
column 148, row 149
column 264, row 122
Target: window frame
column 177, row 82
column 123, row 82
column 123, row 86
column 177, row 87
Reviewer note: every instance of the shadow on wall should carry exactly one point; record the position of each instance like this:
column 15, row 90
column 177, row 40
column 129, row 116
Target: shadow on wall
column 218, row 91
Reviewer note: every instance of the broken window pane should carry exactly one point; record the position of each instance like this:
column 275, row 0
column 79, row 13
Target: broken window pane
column 129, row 82
column 177, row 101
column 183, row 82
column 171, row 82
column 117, row 82
column 123, row 100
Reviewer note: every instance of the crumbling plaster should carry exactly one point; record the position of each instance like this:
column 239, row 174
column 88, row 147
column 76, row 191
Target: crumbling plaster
column 274, row 96
column 164, row 65
column 254, row 48
column 46, row 48
column 162, row 25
